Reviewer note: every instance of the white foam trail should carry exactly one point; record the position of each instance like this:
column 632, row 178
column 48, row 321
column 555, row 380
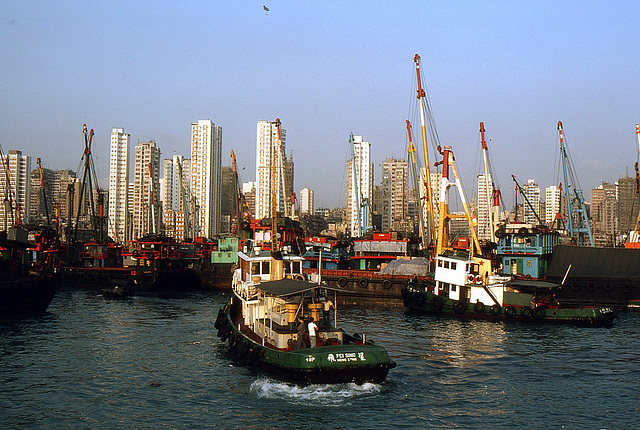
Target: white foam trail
column 327, row 395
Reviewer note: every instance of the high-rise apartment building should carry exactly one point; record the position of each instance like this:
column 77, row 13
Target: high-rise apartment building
column 118, row 185
column 553, row 200
column 395, row 193
column 604, row 211
column 56, row 183
column 146, row 186
column 306, row 201
column 271, row 171
column 206, row 184
column 532, row 193
column 485, row 204
column 359, row 187
column 17, row 192
column 627, row 204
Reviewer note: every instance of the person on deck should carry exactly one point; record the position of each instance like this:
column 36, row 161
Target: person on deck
column 326, row 312
column 302, row 331
column 313, row 329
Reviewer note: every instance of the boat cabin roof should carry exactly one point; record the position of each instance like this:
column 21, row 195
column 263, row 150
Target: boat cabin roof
column 527, row 283
column 289, row 287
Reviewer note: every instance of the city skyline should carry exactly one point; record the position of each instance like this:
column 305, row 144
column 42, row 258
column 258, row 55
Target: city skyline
column 519, row 68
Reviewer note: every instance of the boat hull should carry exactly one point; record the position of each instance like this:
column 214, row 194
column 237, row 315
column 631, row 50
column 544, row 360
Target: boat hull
column 350, row 363
column 28, row 296
column 425, row 301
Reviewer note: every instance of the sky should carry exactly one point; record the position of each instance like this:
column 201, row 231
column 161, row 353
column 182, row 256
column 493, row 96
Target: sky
column 327, row 69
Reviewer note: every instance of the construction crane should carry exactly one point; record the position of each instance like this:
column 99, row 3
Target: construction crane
column 577, row 219
column 492, row 193
column 526, row 199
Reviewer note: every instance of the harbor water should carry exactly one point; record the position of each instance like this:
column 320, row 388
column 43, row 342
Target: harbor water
column 155, row 362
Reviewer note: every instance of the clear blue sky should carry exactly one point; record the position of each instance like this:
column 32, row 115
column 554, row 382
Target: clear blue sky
column 327, row 69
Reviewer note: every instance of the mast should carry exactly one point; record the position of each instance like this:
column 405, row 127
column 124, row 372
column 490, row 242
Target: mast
column 488, row 187
column 412, row 154
column 427, row 181
column 274, row 207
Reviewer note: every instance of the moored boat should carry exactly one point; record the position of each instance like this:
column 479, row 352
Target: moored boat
column 466, row 288
column 259, row 326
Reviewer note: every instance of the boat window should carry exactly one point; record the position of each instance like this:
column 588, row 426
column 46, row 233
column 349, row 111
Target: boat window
column 255, row 268
column 439, row 263
column 296, row 267
column 446, row 264
column 265, row 267
column 453, row 265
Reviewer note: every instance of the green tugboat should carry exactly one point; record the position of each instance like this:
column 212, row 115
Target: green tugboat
column 260, row 323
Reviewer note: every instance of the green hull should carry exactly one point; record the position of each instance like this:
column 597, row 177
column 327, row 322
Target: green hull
column 352, row 362
column 424, row 301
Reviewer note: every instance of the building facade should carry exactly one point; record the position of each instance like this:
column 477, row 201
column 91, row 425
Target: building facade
column 359, row 187
column 206, row 185
column 146, row 212
column 395, row 195
column 306, row 201
column 271, row 172
column 118, row 185
column 532, row 209
column 16, row 192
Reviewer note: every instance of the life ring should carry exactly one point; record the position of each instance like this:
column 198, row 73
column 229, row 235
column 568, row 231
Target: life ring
column 499, row 233
column 471, row 277
column 479, row 308
column 527, row 276
column 626, row 288
column 342, row 282
column 436, row 303
column 538, row 313
column 591, row 286
column 509, row 311
column 418, row 299
column 525, row 312
column 298, row 277
column 363, row 282
column 607, row 286
column 459, row 307
column 523, row 231
column 479, row 279
column 386, row 284
column 495, row 309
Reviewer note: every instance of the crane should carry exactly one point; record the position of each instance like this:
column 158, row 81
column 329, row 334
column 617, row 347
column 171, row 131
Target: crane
column 577, row 219
column 424, row 111
column 44, row 194
column 188, row 202
column 414, row 170
column 152, row 204
column 492, row 193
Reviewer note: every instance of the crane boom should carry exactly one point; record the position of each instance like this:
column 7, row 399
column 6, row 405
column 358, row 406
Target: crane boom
column 577, row 219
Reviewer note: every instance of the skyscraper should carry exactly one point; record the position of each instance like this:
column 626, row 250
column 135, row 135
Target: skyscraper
column 395, row 193
column 306, row 201
column 16, row 193
column 271, row 171
column 146, row 185
column 359, row 187
column 206, row 164
column 484, row 206
column 118, row 184
column 553, row 203
column 532, row 193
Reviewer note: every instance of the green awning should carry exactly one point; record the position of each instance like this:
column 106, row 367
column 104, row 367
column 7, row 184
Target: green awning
column 288, row 287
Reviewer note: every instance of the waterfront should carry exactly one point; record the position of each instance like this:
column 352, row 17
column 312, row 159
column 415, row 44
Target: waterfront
column 155, row 362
